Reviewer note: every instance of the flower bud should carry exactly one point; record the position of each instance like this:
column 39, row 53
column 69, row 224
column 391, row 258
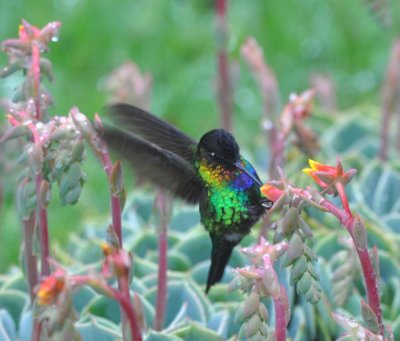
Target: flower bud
column 295, row 249
column 251, row 304
column 298, row 269
column 253, row 325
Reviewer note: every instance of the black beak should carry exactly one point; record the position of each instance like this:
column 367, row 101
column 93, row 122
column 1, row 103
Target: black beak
column 244, row 170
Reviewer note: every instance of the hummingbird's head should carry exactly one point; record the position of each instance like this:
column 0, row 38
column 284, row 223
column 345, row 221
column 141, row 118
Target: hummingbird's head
column 219, row 147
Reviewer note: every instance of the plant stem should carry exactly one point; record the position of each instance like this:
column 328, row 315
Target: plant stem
column 163, row 262
column 127, row 310
column 119, row 295
column 224, row 86
column 43, row 230
column 115, row 199
column 347, row 220
column 36, row 330
column 30, row 258
column 130, row 314
column 268, row 85
column 280, row 316
column 372, row 286
column 41, row 211
column 371, row 281
column 389, row 97
column 35, row 74
column 116, row 217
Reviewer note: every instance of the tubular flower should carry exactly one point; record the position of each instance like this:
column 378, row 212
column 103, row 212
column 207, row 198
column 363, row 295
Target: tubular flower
column 271, row 192
column 50, row 288
column 329, row 176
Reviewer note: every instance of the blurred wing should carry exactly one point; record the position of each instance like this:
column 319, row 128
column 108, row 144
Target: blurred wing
column 162, row 167
column 153, row 129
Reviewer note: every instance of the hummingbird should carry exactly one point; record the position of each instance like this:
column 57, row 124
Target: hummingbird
column 211, row 173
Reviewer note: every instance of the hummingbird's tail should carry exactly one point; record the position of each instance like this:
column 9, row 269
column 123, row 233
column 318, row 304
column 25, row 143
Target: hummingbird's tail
column 221, row 252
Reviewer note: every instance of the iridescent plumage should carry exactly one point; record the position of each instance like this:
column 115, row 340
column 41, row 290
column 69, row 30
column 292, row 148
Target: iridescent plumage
column 211, row 173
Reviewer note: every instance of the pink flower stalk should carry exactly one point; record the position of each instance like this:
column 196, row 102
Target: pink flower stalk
column 223, row 78
column 332, row 179
column 265, row 280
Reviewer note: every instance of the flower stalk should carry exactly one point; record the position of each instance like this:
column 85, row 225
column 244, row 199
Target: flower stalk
column 162, row 204
column 389, row 97
column 115, row 181
column 114, row 176
column 280, row 316
column 280, row 306
column 223, row 80
column 261, row 280
column 332, row 179
column 30, row 258
column 25, row 55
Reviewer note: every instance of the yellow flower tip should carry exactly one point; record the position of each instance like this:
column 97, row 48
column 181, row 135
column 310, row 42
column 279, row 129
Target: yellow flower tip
column 314, row 164
column 308, row 171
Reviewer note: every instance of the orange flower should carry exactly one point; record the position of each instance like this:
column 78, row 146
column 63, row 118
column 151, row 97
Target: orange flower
column 331, row 179
column 50, row 288
column 271, row 192
column 327, row 176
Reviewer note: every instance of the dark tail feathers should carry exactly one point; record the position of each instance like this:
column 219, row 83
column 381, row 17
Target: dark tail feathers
column 221, row 252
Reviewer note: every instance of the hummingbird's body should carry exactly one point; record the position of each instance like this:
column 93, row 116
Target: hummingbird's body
column 211, row 173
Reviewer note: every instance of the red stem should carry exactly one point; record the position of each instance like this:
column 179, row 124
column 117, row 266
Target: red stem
column 116, row 217
column 115, row 200
column 41, row 214
column 389, row 95
column 43, row 230
column 128, row 313
column 369, row 274
column 119, row 295
column 220, row 7
column 224, row 87
column 36, row 330
column 277, row 145
column 42, row 211
column 372, row 285
column 30, row 258
column 280, row 317
column 163, row 263
column 343, row 198
column 347, row 220
column 35, row 74
column 123, row 284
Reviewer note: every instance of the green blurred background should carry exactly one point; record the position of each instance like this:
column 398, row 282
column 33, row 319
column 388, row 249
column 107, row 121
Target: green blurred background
column 174, row 40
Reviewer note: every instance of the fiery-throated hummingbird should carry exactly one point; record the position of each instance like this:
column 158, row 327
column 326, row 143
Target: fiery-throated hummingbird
column 211, row 172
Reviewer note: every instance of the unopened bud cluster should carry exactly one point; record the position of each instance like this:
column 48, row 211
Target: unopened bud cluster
column 299, row 256
column 346, row 270
column 260, row 281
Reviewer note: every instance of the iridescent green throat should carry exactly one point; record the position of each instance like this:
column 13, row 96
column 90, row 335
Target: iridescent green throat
column 227, row 195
